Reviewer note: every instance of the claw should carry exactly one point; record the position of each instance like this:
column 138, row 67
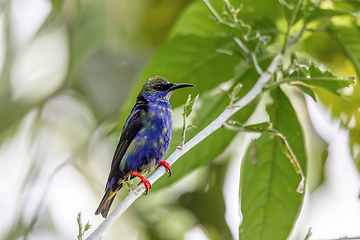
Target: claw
column 166, row 165
column 143, row 180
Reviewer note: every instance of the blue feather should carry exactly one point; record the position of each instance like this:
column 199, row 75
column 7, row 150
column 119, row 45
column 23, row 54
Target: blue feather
column 144, row 140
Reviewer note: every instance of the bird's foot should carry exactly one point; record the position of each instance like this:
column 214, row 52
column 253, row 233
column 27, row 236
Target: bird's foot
column 143, row 180
column 166, row 165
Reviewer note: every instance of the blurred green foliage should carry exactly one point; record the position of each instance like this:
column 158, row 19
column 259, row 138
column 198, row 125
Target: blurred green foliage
column 115, row 46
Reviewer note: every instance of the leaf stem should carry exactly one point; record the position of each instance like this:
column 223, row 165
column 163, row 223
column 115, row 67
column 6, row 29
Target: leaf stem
column 230, row 127
column 256, row 63
column 213, row 11
column 240, row 44
column 291, row 23
column 302, row 79
column 212, row 127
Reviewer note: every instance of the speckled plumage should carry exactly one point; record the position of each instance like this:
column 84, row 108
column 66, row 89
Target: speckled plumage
column 145, row 138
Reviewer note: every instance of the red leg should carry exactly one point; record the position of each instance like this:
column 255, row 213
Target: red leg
column 143, row 180
column 166, row 165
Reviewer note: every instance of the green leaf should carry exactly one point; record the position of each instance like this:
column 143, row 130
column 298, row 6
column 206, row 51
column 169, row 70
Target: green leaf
column 289, row 7
column 284, row 120
column 316, row 47
column 233, row 95
column 57, row 4
column 188, row 107
column 315, row 77
column 87, row 226
column 164, row 220
column 308, row 90
column 348, row 5
column 348, row 39
column 327, row 80
column 269, row 200
column 197, row 20
column 264, row 127
column 313, row 12
column 212, row 214
column 332, row 85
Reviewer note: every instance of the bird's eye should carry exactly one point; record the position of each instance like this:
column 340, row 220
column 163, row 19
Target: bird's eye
column 158, row 87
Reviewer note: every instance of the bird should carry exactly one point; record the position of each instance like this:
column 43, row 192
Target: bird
column 144, row 140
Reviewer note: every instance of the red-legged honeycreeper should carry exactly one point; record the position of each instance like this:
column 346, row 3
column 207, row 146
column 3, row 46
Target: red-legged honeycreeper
column 144, row 140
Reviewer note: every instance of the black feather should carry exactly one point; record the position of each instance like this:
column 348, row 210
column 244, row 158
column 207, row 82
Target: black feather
column 131, row 128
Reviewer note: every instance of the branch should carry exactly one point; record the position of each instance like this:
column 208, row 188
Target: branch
column 212, row 127
column 341, row 238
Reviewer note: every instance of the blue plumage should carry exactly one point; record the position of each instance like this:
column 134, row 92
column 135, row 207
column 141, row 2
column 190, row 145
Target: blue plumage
column 145, row 138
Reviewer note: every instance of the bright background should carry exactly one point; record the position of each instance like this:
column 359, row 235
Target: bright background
column 59, row 105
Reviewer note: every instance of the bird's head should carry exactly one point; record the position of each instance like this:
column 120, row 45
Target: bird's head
column 159, row 88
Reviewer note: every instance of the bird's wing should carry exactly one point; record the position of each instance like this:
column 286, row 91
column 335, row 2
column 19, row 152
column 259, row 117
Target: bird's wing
column 131, row 128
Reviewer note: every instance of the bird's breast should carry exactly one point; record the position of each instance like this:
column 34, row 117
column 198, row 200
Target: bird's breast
column 151, row 143
column 158, row 121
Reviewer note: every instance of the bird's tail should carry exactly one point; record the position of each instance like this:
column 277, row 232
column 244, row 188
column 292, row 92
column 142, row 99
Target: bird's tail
column 106, row 201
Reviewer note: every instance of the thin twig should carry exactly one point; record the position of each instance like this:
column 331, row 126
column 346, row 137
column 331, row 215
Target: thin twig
column 82, row 229
column 240, row 44
column 308, row 234
column 291, row 23
column 79, row 227
column 341, row 238
column 213, row 11
column 187, row 111
column 183, row 132
column 212, row 127
column 256, row 63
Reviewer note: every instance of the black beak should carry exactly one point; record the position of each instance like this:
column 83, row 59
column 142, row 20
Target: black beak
column 180, row 85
